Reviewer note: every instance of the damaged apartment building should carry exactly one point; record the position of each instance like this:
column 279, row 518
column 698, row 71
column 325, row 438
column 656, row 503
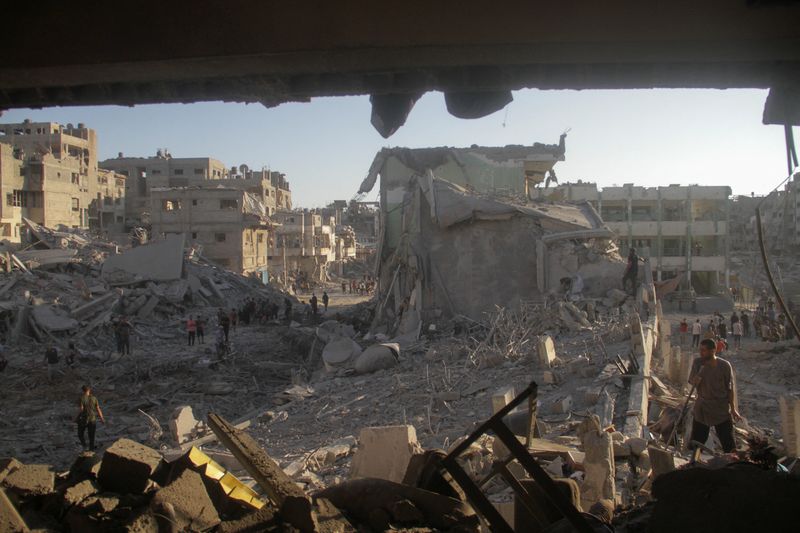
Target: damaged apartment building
column 162, row 170
column 304, row 243
column 459, row 235
column 49, row 174
column 229, row 227
column 683, row 229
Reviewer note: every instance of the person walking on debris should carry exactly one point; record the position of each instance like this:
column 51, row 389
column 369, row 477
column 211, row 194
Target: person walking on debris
column 696, row 330
column 325, row 300
column 344, row 287
column 716, row 397
column 745, row 324
column 51, row 358
column 191, row 330
column 123, row 333
column 89, row 410
column 72, row 354
column 224, row 321
column 234, row 319
column 221, row 342
column 201, row 329
column 684, row 329
column 631, row 271
column 737, row 335
column 314, row 306
column 287, row 306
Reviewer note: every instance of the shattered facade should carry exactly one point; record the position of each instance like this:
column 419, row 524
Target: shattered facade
column 49, row 174
column 229, row 226
column 271, row 187
column 303, row 241
column 162, row 170
column 684, row 229
column 447, row 250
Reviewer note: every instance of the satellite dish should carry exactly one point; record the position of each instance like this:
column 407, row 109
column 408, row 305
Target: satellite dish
column 243, row 168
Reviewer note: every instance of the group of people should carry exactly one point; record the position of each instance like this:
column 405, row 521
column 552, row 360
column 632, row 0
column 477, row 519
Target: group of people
column 364, row 286
column 717, row 330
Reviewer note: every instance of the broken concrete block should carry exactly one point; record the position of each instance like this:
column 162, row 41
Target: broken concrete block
column 501, row 398
column 10, row 519
column 405, row 512
column 158, row 261
column 256, row 521
column 143, row 521
column 147, row 309
column 644, row 461
column 377, row 357
column 617, row 296
column 550, row 378
column 31, row 480
column 77, row 493
column 182, row 424
column 555, row 467
column 339, row 352
column 637, row 444
column 53, row 319
column 7, row 466
column 85, row 466
column 562, row 405
column 384, row 452
column 661, row 461
column 127, row 466
column 598, row 464
column 621, row 449
column 790, row 424
column 188, row 503
column 546, row 351
column 592, row 395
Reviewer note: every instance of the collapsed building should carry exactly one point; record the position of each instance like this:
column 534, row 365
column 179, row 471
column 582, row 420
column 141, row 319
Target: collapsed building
column 448, row 247
column 304, row 242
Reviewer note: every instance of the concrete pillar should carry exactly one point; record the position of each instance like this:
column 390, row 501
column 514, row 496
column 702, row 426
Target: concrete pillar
column 598, row 464
column 790, row 424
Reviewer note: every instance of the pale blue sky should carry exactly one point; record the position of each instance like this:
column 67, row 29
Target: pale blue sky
column 647, row 137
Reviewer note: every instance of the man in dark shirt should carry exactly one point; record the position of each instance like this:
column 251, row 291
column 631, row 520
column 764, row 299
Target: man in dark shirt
column 631, row 271
column 89, row 410
column 716, row 397
column 123, row 331
column 51, row 358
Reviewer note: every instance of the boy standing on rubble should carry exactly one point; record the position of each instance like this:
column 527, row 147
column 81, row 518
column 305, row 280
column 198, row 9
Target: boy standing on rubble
column 191, row 330
column 89, row 410
column 51, row 358
column 716, row 397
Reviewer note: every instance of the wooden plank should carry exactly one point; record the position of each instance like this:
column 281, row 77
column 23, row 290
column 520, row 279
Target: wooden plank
column 293, row 504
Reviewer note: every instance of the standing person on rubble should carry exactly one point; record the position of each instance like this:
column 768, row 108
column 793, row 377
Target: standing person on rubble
column 683, row 329
column 344, row 287
column 631, row 271
column 72, row 354
column 191, row 330
column 745, row 324
column 314, row 305
column 716, row 397
column 234, row 319
column 325, row 300
column 124, row 335
column 201, row 329
column 287, row 309
column 89, row 410
column 225, row 321
column 697, row 328
column 737, row 335
column 51, row 358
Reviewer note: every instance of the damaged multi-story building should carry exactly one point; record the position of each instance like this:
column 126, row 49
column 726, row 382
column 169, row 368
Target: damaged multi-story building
column 227, row 226
column 683, row 229
column 303, row 243
column 49, row 174
column 357, row 227
column 460, row 237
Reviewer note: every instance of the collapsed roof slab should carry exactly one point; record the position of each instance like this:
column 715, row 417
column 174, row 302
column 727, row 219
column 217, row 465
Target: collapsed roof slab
column 157, row 261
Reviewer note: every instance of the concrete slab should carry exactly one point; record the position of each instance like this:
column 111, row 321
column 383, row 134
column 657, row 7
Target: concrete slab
column 52, row 319
column 10, row 519
column 31, row 480
column 158, row 261
column 147, row 309
column 377, row 357
column 127, row 466
column 661, row 461
column 8, row 465
column 77, row 493
column 547, row 351
column 790, row 424
column 88, row 309
column 189, row 501
column 598, row 464
column 384, row 452
column 339, row 352
column 502, row 397
column 182, row 424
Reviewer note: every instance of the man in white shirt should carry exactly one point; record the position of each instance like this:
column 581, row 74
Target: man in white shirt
column 696, row 330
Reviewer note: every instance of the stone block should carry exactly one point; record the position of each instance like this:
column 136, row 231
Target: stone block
column 562, row 405
column 547, row 351
column 598, row 463
column 127, row 467
column 637, row 444
column 377, row 357
column 592, row 395
column 182, row 424
column 7, row 466
column 10, row 519
column 77, row 493
column 661, row 461
column 621, row 449
column 187, row 503
column 85, row 466
column 550, row 378
column 384, row 452
column 501, row 398
column 31, row 480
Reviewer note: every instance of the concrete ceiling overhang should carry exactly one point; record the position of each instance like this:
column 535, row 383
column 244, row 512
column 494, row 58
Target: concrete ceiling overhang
column 271, row 52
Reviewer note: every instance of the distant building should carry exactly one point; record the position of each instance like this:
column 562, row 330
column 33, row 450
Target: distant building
column 304, row 242
column 162, row 170
column 50, row 175
column 229, row 226
column 681, row 228
column 270, row 186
